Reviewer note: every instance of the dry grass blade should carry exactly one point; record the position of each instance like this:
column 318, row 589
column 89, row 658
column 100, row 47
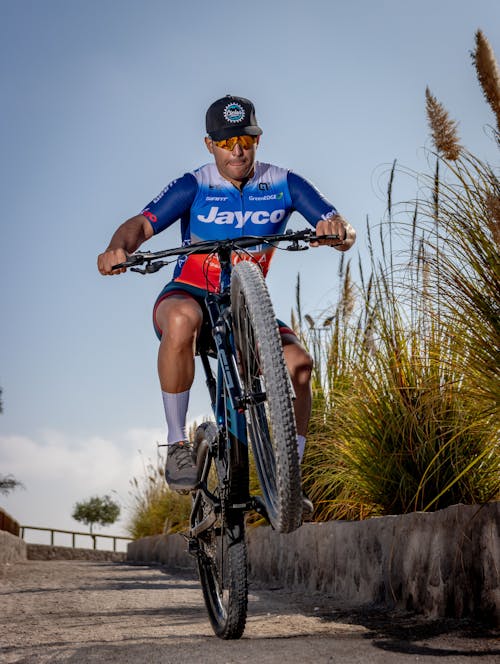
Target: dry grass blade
column 492, row 202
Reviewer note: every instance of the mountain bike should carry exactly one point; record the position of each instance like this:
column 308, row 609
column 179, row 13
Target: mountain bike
column 252, row 400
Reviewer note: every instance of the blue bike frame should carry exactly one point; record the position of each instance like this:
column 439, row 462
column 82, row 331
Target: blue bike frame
column 226, row 393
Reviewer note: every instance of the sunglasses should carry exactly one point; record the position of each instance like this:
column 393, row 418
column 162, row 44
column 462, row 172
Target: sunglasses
column 246, row 142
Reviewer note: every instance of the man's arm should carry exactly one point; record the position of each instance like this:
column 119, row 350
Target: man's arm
column 319, row 212
column 170, row 205
column 126, row 239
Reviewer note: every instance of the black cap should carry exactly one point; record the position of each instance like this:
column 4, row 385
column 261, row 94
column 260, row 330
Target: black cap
column 231, row 116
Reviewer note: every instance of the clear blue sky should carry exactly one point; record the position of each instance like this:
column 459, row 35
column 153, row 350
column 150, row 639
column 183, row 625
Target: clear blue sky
column 103, row 104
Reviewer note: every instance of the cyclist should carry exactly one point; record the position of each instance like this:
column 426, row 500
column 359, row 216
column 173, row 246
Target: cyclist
column 232, row 196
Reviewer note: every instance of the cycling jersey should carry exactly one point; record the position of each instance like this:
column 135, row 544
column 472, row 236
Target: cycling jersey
column 211, row 208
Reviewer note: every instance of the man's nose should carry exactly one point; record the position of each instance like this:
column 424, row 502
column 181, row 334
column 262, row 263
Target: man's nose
column 237, row 150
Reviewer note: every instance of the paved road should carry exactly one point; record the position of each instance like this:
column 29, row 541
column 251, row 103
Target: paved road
column 61, row 611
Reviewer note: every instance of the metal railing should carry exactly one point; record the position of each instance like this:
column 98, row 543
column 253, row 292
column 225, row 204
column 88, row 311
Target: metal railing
column 74, row 533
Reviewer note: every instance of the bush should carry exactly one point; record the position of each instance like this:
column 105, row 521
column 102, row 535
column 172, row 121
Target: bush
column 405, row 410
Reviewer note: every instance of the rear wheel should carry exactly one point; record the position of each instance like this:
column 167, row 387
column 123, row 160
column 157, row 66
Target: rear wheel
column 270, row 416
column 221, row 551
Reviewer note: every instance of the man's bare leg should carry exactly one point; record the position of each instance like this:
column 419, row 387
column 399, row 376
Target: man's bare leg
column 180, row 318
column 300, row 365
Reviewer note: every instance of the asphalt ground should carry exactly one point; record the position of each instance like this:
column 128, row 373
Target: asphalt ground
column 75, row 611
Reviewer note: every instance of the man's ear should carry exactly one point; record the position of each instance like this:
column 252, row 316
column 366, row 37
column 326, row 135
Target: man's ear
column 210, row 144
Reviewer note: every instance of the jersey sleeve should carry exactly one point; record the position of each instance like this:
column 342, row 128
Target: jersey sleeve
column 172, row 203
column 308, row 200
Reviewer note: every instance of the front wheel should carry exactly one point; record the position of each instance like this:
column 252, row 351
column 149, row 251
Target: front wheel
column 269, row 405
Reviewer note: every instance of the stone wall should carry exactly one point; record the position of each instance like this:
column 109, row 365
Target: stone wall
column 12, row 548
column 8, row 524
column 47, row 552
column 168, row 550
column 440, row 564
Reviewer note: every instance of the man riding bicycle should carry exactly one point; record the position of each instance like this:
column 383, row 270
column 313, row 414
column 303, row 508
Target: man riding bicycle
column 233, row 196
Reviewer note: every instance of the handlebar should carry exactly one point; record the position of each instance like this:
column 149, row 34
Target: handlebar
column 153, row 262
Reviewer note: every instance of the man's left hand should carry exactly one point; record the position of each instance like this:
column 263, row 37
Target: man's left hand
column 336, row 225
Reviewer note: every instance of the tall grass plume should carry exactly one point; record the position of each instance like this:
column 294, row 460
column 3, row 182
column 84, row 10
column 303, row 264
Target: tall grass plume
column 443, row 128
column 488, row 75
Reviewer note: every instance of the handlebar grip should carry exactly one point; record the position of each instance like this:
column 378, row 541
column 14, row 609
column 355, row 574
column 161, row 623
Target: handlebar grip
column 315, row 238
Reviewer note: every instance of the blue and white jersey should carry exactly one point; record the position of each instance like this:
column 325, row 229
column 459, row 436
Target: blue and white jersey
column 211, row 208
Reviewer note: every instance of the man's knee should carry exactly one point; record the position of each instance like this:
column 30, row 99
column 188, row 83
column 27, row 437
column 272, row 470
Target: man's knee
column 180, row 320
column 304, row 367
column 299, row 361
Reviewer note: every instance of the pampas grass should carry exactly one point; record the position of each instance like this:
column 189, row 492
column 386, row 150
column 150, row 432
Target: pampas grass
column 488, row 75
column 443, row 128
column 406, row 409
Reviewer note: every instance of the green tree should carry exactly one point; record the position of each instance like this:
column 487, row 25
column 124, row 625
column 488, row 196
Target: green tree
column 103, row 511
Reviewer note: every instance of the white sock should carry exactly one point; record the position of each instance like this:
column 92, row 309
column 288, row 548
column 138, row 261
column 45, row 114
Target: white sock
column 301, row 446
column 176, row 406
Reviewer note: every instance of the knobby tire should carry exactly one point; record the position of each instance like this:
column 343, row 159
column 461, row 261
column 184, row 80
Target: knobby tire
column 222, row 553
column 270, row 423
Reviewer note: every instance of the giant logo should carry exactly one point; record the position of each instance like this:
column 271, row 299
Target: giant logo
column 241, row 218
column 164, row 191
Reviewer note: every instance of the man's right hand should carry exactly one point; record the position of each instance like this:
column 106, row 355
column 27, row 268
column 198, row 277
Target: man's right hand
column 110, row 257
column 128, row 238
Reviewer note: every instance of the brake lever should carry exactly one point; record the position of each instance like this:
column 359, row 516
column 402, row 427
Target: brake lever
column 296, row 246
column 133, row 259
column 149, row 268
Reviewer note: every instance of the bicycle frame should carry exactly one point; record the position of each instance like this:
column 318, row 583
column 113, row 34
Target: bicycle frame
column 227, row 400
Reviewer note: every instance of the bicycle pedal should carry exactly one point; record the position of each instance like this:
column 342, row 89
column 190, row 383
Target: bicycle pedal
column 259, row 506
column 253, row 399
column 193, row 547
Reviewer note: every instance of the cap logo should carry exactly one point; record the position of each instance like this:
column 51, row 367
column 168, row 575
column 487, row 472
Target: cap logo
column 234, row 113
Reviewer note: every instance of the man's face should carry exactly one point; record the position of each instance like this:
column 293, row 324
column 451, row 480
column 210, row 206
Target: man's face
column 235, row 165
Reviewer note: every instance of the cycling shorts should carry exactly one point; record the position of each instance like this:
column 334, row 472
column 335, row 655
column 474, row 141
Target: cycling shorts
column 198, row 294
